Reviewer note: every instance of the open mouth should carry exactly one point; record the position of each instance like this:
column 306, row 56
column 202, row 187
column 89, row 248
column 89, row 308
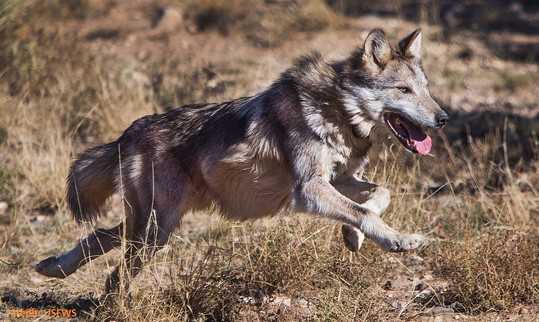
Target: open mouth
column 408, row 133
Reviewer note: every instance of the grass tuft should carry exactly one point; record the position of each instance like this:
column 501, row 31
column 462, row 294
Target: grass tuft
column 512, row 82
column 492, row 272
column 217, row 15
column 228, row 17
column 315, row 15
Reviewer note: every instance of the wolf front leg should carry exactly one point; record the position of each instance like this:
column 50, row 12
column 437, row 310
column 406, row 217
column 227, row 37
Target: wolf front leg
column 319, row 197
column 370, row 196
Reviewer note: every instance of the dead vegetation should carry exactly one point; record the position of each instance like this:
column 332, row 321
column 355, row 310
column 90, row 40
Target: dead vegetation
column 265, row 26
column 491, row 272
column 476, row 200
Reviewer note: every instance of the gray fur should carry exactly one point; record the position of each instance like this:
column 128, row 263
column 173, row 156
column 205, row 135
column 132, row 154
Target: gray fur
column 299, row 146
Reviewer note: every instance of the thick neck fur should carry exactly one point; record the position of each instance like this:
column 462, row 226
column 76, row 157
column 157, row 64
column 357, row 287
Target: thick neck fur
column 332, row 109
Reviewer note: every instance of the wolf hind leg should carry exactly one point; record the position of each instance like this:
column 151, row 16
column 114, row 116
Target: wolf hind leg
column 370, row 196
column 141, row 247
column 94, row 245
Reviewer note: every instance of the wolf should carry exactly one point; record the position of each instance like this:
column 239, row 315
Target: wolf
column 298, row 147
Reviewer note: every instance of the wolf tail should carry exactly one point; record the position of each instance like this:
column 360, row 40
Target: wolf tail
column 91, row 181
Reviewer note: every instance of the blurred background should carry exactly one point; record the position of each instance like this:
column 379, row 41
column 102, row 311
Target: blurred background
column 76, row 73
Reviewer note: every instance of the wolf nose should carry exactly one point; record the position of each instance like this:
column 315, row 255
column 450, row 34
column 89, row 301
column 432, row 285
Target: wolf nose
column 441, row 119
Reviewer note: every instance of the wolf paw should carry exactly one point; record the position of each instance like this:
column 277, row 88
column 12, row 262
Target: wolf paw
column 50, row 267
column 353, row 238
column 404, row 243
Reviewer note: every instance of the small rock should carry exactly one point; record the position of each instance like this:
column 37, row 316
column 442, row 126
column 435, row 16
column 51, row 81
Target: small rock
column 416, row 259
column 439, row 310
column 3, row 207
column 427, row 277
column 420, row 287
column 247, row 299
column 524, row 186
column 523, row 310
column 395, row 305
column 140, row 78
column 303, row 303
column 38, row 219
column 167, row 19
column 143, row 55
column 465, row 53
column 282, row 301
column 388, row 285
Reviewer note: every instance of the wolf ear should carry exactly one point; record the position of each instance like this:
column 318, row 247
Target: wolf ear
column 411, row 46
column 377, row 50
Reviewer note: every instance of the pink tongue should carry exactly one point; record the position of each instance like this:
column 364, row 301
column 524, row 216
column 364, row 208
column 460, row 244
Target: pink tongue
column 422, row 141
column 423, row 147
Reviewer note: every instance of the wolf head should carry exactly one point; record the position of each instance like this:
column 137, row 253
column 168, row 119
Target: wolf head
column 386, row 86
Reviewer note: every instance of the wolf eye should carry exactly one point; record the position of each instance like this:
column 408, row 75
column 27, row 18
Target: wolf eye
column 404, row 89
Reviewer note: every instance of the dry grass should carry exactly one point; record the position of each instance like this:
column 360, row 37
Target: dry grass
column 268, row 26
column 217, row 15
column 476, row 201
column 495, row 271
column 512, row 82
column 236, row 272
column 313, row 15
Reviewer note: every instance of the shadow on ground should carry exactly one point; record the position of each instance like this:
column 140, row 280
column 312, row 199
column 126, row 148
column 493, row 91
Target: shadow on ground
column 16, row 299
column 517, row 132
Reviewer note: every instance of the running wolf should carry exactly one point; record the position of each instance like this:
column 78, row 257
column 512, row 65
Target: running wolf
column 299, row 146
